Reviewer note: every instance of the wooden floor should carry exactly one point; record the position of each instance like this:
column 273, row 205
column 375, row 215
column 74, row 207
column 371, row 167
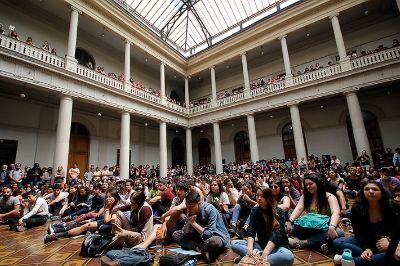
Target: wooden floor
column 27, row 248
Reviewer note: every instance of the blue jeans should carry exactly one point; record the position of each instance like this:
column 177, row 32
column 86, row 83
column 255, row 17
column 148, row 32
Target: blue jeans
column 314, row 238
column 279, row 256
column 339, row 244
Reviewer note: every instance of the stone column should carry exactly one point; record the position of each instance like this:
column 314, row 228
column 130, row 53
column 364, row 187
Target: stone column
column 213, row 86
column 344, row 59
column 286, row 61
column 125, row 144
column 245, row 76
column 357, row 123
column 70, row 61
column 63, row 134
column 252, row 138
column 217, row 148
column 189, row 153
column 298, row 133
column 187, row 101
column 127, row 66
column 163, row 149
column 162, row 83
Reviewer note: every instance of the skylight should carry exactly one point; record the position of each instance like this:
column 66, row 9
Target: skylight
column 190, row 26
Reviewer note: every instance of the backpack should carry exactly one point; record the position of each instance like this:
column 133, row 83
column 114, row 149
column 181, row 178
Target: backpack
column 173, row 259
column 127, row 257
column 94, row 245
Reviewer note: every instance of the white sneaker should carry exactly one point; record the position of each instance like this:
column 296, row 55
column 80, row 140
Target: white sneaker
column 337, row 259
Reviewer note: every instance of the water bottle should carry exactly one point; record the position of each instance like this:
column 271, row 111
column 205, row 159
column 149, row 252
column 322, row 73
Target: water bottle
column 159, row 239
column 347, row 258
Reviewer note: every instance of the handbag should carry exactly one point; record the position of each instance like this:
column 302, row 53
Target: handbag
column 255, row 260
column 313, row 221
column 94, row 245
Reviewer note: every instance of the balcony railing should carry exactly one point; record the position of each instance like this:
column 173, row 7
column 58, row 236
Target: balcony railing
column 96, row 76
column 31, row 51
column 41, row 55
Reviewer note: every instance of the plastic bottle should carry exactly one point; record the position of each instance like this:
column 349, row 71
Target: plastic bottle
column 159, row 239
column 347, row 258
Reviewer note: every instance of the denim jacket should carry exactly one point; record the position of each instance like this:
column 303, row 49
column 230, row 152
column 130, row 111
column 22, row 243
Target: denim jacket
column 211, row 220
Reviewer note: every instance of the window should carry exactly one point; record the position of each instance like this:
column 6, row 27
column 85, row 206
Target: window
column 289, row 147
column 204, row 151
column 178, row 152
column 242, row 147
column 373, row 134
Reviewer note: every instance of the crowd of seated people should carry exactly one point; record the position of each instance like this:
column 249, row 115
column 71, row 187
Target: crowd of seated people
column 267, row 198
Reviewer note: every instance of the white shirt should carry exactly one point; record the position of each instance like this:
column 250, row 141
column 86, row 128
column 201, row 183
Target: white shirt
column 40, row 208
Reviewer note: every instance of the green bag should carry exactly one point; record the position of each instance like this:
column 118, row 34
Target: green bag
column 313, row 221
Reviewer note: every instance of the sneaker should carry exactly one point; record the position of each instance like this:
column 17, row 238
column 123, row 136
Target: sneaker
column 66, row 219
column 50, row 229
column 337, row 259
column 237, row 259
column 241, row 233
column 20, row 228
column 50, row 238
column 325, row 249
column 55, row 218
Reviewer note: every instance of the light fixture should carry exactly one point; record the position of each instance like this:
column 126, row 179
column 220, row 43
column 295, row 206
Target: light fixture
column 233, row 124
column 322, row 107
column 271, row 116
column 145, row 60
column 174, row 76
column 308, row 34
column 201, row 131
column 366, row 12
column 145, row 124
column 199, row 78
column 176, row 131
column 98, row 114
column 227, row 66
column 262, row 52
column 22, row 95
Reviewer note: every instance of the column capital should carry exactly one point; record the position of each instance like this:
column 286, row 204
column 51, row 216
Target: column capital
column 163, row 121
column 74, row 8
column 162, row 63
column 249, row 114
column 352, row 90
column 126, row 41
column 282, row 37
column 215, row 122
column 212, row 67
column 334, row 15
column 293, row 103
column 243, row 54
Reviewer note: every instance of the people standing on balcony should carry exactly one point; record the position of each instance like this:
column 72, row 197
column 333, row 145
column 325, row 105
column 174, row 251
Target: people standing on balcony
column 14, row 35
column 46, row 46
column 1, row 29
column 395, row 43
column 29, row 41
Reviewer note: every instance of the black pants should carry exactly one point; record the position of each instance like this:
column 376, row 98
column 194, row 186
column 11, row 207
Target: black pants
column 35, row 220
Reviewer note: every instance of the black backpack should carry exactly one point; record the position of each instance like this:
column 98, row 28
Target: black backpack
column 94, row 245
column 173, row 259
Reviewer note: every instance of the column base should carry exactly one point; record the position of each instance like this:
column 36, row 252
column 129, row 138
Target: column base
column 164, row 100
column 71, row 63
column 345, row 64
column 288, row 81
column 214, row 103
column 247, row 93
column 127, row 87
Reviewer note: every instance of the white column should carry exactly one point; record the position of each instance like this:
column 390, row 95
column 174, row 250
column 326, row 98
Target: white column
column 71, row 62
column 344, row 59
column 163, row 149
column 187, row 102
column 217, row 148
column 253, row 138
column 357, row 123
column 286, row 61
column 213, row 86
column 125, row 144
column 63, row 134
column 245, row 76
column 298, row 133
column 127, row 66
column 162, row 82
column 189, row 154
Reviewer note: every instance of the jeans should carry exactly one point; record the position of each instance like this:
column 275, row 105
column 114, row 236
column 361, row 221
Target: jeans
column 339, row 244
column 314, row 238
column 279, row 256
column 76, row 212
column 35, row 220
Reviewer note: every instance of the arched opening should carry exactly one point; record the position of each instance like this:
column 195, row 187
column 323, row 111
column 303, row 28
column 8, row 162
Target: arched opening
column 242, row 147
column 289, row 147
column 175, row 96
column 178, row 152
column 373, row 134
column 85, row 58
column 79, row 147
column 204, row 151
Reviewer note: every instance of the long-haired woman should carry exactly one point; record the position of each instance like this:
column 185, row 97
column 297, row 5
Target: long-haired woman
column 373, row 219
column 315, row 199
column 267, row 222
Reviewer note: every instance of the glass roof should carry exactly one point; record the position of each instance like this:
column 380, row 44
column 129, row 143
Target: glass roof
column 191, row 26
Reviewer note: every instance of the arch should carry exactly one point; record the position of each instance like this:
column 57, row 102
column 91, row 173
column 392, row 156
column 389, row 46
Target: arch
column 87, row 123
column 373, row 134
column 204, row 151
column 85, row 58
column 242, row 147
column 289, row 147
column 79, row 146
column 178, row 152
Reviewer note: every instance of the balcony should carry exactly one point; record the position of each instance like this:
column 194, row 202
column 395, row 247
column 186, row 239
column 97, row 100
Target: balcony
column 9, row 45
